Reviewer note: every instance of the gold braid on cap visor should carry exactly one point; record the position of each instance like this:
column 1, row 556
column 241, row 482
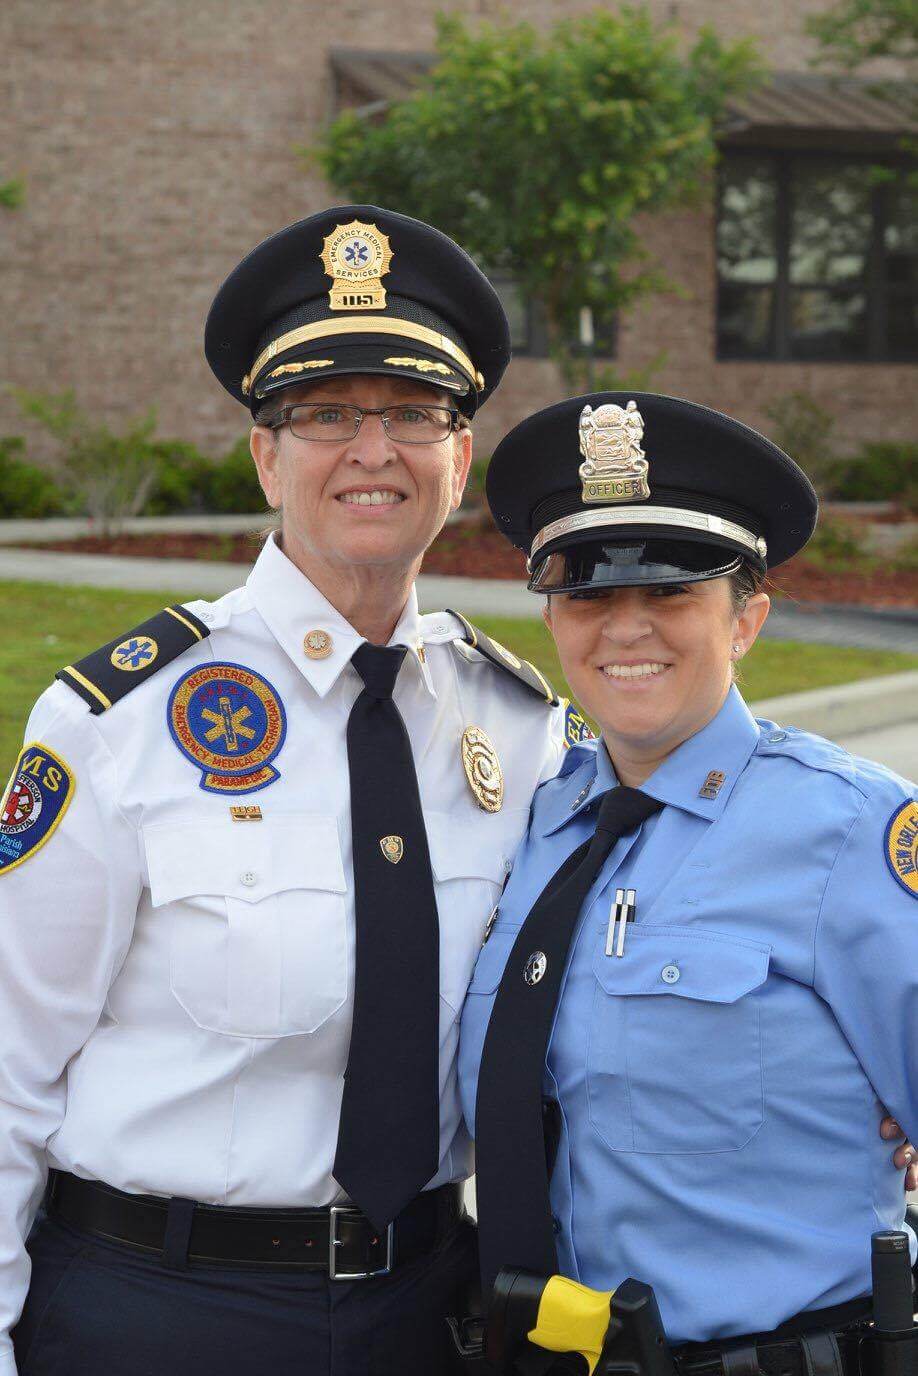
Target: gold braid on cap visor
column 362, row 324
column 670, row 516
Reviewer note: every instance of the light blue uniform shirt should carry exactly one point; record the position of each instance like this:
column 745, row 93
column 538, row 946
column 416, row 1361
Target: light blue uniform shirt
column 721, row 1083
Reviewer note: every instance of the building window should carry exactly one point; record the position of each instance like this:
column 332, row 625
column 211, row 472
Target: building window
column 529, row 329
column 817, row 259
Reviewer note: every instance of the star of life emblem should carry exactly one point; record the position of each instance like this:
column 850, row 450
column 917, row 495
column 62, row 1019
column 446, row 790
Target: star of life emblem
column 614, row 467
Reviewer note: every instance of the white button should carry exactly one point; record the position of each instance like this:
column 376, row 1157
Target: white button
column 248, row 877
column 439, row 628
column 206, row 617
column 670, row 973
column 508, row 866
column 777, row 736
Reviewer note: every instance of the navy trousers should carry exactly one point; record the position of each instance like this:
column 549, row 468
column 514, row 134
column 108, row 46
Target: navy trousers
column 100, row 1309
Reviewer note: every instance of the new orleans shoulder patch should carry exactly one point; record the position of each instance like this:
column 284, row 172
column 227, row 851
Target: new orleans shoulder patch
column 576, row 726
column 230, row 722
column 901, row 847
column 35, row 800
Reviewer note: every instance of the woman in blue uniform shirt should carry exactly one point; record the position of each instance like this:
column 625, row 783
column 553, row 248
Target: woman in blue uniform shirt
column 735, row 995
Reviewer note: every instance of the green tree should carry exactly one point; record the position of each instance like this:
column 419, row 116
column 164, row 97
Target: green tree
column 853, row 31
column 536, row 151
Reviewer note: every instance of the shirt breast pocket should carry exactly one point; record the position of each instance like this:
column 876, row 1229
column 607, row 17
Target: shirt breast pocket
column 258, row 934
column 470, row 860
column 674, row 1062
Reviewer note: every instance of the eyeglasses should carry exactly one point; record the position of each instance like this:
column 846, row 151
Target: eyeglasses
column 333, row 423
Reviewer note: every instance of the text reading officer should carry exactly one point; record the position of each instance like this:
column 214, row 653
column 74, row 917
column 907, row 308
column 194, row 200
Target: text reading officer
column 248, row 854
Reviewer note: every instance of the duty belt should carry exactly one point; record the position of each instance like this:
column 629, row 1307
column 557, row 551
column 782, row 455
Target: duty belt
column 823, row 1342
column 339, row 1240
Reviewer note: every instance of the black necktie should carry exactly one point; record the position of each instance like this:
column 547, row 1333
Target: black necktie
column 514, row 1211
column 389, row 1136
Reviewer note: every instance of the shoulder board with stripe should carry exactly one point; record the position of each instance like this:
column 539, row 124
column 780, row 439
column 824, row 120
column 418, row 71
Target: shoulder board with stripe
column 108, row 674
column 521, row 669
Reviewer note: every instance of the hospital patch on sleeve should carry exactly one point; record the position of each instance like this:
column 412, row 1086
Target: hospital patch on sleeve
column 36, row 798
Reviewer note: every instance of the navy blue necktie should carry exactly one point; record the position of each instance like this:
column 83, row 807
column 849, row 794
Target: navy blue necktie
column 389, row 1135
column 514, row 1210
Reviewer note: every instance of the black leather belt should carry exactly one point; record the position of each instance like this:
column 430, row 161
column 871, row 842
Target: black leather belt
column 338, row 1240
column 794, row 1349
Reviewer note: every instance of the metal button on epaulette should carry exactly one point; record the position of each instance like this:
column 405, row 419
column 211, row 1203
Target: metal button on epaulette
column 776, row 737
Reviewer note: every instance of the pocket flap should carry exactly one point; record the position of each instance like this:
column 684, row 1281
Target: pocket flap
column 478, row 847
column 685, row 961
column 245, row 860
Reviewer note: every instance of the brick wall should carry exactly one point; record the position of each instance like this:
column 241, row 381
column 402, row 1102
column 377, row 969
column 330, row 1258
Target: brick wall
column 156, row 139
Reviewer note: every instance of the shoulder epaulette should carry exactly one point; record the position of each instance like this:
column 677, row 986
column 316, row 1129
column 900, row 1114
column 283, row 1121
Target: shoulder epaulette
column 108, row 674
column 521, row 669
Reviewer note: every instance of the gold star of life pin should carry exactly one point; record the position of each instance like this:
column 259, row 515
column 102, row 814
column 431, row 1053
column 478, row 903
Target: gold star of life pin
column 482, row 768
column 614, row 467
column 356, row 256
column 392, row 847
column 317, row 644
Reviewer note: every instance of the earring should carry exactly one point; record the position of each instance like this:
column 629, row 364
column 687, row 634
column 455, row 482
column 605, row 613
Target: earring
column 736, row 649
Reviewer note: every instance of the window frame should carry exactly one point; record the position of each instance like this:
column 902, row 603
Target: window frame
column 878, row 291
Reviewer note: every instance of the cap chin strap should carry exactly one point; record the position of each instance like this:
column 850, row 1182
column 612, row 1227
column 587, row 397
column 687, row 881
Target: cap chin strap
column 674, row 518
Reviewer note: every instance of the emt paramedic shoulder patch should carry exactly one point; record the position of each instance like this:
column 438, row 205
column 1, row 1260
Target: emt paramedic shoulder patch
column 901, row 847
column 108, row 674
column 35, row 800
column 230, row 722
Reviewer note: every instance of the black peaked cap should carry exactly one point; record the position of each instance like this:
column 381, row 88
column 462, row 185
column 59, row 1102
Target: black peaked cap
column 442, row 322
column 700, row 464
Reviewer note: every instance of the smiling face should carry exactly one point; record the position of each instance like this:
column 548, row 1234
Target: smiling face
column 652, row 664
column 368, row 501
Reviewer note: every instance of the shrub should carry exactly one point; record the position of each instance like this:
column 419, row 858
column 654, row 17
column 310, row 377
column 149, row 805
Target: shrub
column 803, row 429
column 106, row 476
column 26, row 491
column 881, row 471
column 232, row 484
column 834, row 545
column 182, row 476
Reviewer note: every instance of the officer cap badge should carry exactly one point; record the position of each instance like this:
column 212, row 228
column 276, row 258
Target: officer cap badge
column 482, row 769
column 614, row 467
column 356, row 256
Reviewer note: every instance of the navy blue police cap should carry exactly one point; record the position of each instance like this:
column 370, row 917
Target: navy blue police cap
column 628, row 488
column 357, row 289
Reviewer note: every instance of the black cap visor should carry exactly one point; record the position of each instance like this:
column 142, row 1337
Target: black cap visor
column 392, row 357
column 604, row 564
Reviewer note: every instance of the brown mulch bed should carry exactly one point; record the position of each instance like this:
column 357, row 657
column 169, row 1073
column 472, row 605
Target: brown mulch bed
column 475, row 552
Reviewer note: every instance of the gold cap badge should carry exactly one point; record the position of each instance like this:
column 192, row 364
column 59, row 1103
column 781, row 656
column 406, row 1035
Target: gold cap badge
column 482, row 768
column 615, row 469
column 392, row 847
column 357, row 257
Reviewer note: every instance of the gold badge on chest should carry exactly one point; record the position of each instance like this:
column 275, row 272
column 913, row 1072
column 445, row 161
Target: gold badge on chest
column 482, row 768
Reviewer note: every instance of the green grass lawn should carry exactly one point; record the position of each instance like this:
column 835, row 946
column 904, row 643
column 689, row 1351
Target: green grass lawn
column 48, row 626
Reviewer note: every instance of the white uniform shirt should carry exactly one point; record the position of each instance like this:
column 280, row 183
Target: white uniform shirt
column 175, row 986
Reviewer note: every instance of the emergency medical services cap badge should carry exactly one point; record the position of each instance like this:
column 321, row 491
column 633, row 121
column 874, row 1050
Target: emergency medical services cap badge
column 277, row 320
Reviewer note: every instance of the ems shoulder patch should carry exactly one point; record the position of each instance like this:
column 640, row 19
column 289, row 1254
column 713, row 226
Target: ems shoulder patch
column 521, row 669
column 36, row 798
column 576, row 727
column 901, row 847
column 107, row 675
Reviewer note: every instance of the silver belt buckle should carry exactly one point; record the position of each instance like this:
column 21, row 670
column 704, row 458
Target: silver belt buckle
column 334, row 1242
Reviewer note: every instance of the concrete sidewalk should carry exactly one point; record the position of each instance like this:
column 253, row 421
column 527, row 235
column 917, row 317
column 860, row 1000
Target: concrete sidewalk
column 856, row 626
